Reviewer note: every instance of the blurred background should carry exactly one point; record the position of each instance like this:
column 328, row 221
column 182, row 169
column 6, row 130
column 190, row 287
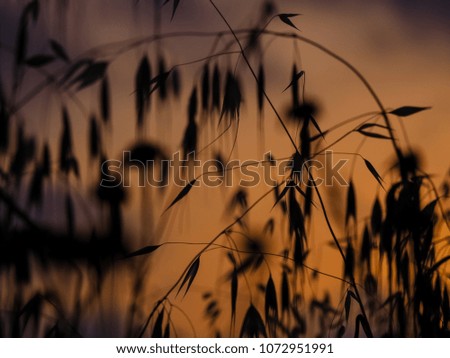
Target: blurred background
column 82, row 285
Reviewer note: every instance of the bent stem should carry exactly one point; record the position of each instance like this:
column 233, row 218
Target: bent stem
column 352, row 277
column 203, row 250
column 358, row 74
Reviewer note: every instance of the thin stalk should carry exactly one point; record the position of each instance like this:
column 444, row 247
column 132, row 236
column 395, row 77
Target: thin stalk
column 204, row 249
column 295, row 146
column 352, row 277
column 244, row 56
column 356, row 72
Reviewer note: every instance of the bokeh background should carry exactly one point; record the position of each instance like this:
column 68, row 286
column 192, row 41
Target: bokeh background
column 401, row 47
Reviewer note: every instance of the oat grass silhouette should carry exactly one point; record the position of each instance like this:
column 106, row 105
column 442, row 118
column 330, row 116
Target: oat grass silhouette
column 393, row 280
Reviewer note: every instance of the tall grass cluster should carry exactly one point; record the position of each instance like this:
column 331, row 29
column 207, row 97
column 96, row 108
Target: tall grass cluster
column 62, row 231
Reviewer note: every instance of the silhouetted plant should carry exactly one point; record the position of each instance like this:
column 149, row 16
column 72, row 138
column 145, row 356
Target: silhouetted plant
column 393, row 282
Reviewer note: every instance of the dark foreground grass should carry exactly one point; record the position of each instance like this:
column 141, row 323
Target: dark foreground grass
column 55, row 275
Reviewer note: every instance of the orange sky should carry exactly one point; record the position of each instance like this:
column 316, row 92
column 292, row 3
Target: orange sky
column 403, row 54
